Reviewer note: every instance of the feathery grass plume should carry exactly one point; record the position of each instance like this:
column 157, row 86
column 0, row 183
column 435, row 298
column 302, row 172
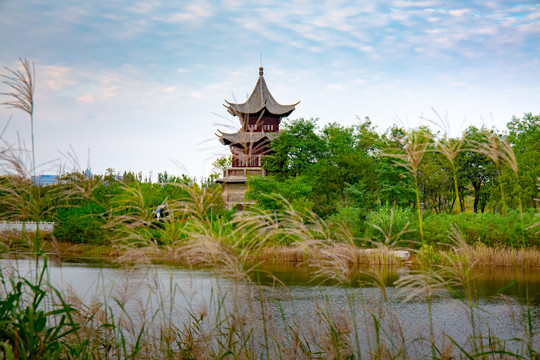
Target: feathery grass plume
column 423, row 283
column 12, row 158
column 22, row 85
column 413, row 147
column 197, row 201
column 332, row 255
column 492, row 149
column 205, row 243
column 22, row 201
column 392, row 226
column 257, row 227
column 335, row 263
column 130, row 219
column 449, row 147
column 459, row 272
column 508, row 155
column 336, row 330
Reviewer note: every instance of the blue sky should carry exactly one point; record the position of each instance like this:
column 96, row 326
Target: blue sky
column 140, row 85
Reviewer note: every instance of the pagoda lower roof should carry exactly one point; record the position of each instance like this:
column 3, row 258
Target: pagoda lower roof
column 259, row 100
column 244, row 137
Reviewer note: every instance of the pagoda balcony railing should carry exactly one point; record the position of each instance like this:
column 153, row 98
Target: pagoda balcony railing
column 247, row 160
column 243, row 172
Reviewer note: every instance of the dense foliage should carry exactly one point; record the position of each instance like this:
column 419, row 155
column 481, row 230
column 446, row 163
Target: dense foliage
column 416, row 180
column 356, row 166
column 347, row 172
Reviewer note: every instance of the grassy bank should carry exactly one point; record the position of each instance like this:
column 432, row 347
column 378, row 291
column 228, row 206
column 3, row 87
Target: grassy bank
column 244, row 321
column 475, row 255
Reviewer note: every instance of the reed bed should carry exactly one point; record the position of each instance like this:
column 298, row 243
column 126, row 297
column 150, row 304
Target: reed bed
column 500, row 257
column 238, row 317
column 146, row 317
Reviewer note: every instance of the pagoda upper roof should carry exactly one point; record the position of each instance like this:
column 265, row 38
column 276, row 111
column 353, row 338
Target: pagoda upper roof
column 244, row 137
column 260, row 99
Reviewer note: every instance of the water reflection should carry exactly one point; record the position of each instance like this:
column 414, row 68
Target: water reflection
column 290, row 293
column 485, row 281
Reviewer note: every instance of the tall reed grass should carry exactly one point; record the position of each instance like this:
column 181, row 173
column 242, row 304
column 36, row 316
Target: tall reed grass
column 413, row 147
column 238, row 316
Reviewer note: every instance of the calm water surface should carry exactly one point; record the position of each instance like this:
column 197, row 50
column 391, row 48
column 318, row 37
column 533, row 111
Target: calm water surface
column 499, row 295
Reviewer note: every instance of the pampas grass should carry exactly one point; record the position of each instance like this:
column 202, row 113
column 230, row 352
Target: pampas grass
column 414, row 145
column 22, row 85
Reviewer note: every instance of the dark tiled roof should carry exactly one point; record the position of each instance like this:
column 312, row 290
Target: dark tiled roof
column 259, row 99
column 243, row 137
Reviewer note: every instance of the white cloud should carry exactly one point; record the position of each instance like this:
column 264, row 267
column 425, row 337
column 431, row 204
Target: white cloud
column 169, row 89
column 459, row 12
column 86, row 99
column 57, row 77
column 534, row 15
column 233, row 3
column 406, row 4
column 144, row 7
column 531, row 28
column 194, row 13
column 486, row 30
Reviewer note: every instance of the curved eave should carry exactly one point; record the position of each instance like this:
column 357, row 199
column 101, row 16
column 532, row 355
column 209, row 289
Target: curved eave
column 242, row 137
column 236, row 110
column 260, row 99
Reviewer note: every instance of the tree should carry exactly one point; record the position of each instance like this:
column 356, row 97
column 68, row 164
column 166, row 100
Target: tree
column 524, row 137
column 295, row 149
column 475, row 168
column 435, row 180
column 219, row 165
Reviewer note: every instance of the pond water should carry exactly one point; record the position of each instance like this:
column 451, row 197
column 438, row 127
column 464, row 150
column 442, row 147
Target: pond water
column 503, row 301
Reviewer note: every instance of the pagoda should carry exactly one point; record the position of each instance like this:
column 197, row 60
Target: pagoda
column 260, row 117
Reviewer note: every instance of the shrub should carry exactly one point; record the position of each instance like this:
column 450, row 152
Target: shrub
column 27, row 331
column 487, row 228
column 387, row 224
column 352, row 217
column 82, row 225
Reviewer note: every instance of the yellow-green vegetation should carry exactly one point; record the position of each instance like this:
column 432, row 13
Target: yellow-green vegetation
column 343, row 188
column 243, row 321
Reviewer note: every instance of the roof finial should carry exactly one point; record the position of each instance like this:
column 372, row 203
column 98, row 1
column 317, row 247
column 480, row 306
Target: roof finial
column 260, row 71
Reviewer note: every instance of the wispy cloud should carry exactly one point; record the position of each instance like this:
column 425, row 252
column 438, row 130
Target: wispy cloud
column 416, row 4
column 124, row 62
column 194, row 13
column 56, row 77
column 459, row 12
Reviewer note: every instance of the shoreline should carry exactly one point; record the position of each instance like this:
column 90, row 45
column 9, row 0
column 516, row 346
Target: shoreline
column 347, row 255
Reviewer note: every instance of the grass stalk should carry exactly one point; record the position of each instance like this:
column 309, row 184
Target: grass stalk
column 22, row 85
column 414, row 145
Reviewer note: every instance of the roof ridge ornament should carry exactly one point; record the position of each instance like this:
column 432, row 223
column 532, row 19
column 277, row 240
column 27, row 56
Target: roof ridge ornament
column 260, row 99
